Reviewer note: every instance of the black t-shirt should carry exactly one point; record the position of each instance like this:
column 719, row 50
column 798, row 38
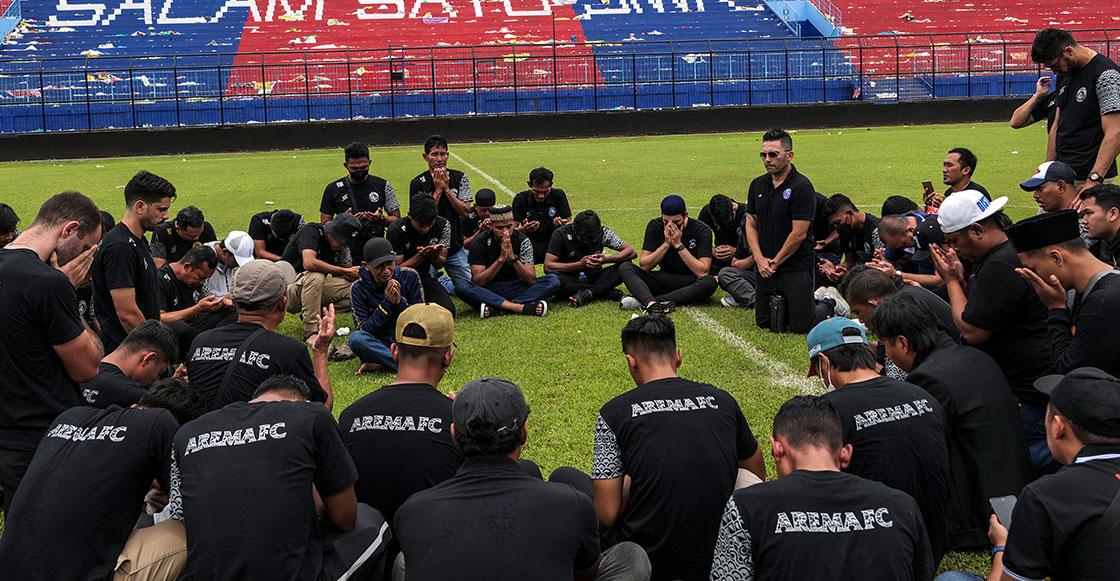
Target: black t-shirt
column 85, row 304
column 83, row 492
column 260, row 228
column 681, row 443
column 776, row 530
column 406, row 239
column 775, row 209
column 38, row 310
column 1087, row 95
column 820, row 228
column 1053, row 515
column 241, row 483
column 312, row 237
column 696, row 238
column 861, row 245
column 111, row 387
column 897, row 432
column 173, row 294
column 1096, row 342
column 167, row 244
column 469, row 224
column 269, row 354
column 937, row 305
column 725, row 234
column 485, row 249
column 400, row 439
column 527, row 209
column 567, row 247
column 123, row 260
column 371, row 195
column 1001, row 302
column 494, row 521
column 1044, row 108
column 971, row 186
column 460, row 187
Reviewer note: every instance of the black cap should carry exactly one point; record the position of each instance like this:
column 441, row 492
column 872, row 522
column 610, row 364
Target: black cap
column 485, row 198
column 1088, row 396
column 343, row 227
column 378, row 251
column 928, row 232
column 1044, row 230
column 489, row 403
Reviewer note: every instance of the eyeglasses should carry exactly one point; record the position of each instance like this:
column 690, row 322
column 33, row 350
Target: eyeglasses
column 771, row 154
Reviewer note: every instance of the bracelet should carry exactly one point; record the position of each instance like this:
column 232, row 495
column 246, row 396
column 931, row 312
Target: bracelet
column 997, row 549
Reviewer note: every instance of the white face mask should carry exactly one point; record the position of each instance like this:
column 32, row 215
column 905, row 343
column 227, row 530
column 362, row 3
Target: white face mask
column 820, row 373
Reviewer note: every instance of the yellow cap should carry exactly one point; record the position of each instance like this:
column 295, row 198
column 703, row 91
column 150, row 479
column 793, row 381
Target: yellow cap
column 437, row 323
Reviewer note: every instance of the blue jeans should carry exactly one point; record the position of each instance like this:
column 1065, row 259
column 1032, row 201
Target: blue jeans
column 371, row 350
column 1034, row 426
column 958, row 576
column 510, row 290
column 457, row 269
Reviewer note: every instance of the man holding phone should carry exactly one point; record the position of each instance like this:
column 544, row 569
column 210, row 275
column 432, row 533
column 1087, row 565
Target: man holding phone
column 956, row 172
column 421, row 242
column 183, row 306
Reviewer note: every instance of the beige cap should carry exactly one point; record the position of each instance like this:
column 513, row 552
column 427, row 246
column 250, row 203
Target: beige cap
column 261, row 282
column 437, row 322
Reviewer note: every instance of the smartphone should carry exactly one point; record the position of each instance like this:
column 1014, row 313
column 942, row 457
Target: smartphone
column 1003, row 505
column 927, row 187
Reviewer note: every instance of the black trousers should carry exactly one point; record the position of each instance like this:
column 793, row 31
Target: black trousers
column 436, row 294
column 803, row 311
column 599, row 280
column 13, row 465
column 682, row 289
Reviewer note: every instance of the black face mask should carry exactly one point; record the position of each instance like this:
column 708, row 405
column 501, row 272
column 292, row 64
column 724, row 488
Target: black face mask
column 359, row 175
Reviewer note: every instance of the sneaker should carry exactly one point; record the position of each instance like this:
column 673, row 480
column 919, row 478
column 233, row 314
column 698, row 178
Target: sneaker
column 614, row 295
column 340, row 352
column 629, row 304
column 840, row 307
column 728, row 302
column 660, row 308
column 581, row 298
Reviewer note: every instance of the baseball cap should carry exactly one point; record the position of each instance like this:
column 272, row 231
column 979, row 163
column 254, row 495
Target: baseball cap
column 241, row 245
column 261, row 282
column 489, row 404
column 377, row 251
column 1088, row 396
column 484, row 197
column 966, row 207
column 1051, row 171
column 343, row 227
column 831, row 333
column 928, row 232
column 1044, row 230
column 437, row 322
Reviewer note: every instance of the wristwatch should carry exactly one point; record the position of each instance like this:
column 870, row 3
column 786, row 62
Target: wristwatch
column 679, row 247
column 1096, row 177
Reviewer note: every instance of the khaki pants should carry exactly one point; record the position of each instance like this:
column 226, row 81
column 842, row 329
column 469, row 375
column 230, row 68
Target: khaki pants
column 1078, row 184
column 312, row 291
column 153, row 553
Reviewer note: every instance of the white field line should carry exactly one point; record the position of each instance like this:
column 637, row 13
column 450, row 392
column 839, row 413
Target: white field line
column 485, row 175
column 780, row 373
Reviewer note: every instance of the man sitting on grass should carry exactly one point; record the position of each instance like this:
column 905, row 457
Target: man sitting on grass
column 575, row 254
column 124, row 374
column 382, row 292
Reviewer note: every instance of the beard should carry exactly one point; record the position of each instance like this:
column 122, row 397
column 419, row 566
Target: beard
column 68, row 250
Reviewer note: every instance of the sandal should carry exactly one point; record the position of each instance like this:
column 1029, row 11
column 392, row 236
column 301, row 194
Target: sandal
column 530, row 309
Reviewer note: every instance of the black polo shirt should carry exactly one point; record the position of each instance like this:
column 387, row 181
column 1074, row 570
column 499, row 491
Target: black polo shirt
column 111, row 387
column 241, row 483
column 83, row 492
column 406, row 240
column 527, row 209
column 1044, row 108
column 313, row 237
column 725, row 234
column 1053, row 515
column 861, row 245
column 897, row 432
column 1089, row 94
column 469, row 224
column 776, row 530
column 820, row 228
column 680, row 442
column 696, row 238
column 260, row 228
column 173, row 294
column 167, row 244
column 485, row 249
column 400, row 439
column 460, row 187
column 971, row 186
column 270, row 353
column 123, row 260
column 494, row 521
column 38, row 310
column 775, row 209
column 567, row 247
column 1001, row 302
column 1089, row 336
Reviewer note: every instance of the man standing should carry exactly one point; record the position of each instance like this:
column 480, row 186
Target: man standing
column 382, row 292
column 775, row 530
column 1100, row 217
column 124, row 375
column 45, row 348
column 987, row 450
column 125, row 291
column 1054, row 259
column 540, row 210
column 681, row 250
column 319, row 250
column 859, row 235
column 780, row 206
column 997, row 312
column 503, row 277
column 421, row 243
column 494, row 521
column 271, row 231
column 228, row 363
column 182, row 306
column 171, row 240
column 1087, row 136
column 667, row 455
column 903, row 448
column 575, row 255
column 234, row 251
column 725, row 217
column 366, row 197
column 451, row 189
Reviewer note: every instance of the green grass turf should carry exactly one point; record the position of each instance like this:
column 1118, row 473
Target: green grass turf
column 570, row 363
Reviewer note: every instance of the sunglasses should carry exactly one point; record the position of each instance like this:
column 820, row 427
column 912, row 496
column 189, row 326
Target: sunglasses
column 771, row 154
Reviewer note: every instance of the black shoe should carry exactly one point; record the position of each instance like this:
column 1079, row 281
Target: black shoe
column 581, row 298
column 614, row 294
column 660, row 308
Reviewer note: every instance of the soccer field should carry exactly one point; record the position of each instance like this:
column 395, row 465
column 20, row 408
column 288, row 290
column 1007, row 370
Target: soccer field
column 569, row 363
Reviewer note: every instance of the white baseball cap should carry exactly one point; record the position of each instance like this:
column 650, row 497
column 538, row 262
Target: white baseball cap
column 241, row 245
column 966, row 207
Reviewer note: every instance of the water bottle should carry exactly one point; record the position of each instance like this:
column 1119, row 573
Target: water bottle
column 582, row 277
column 778, row 314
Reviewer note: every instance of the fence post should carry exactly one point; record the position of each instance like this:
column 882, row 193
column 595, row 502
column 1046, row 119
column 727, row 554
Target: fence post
column 968, row 62
column 264, row 91
column 131, row 93
column 594, row 83
column 673, row 72
column 711, row 76
column 221, row 94
column 89, row 113
column 306, row 86
column 175, row 78
column 824, row 74
column 933, row 67
column 634, row 75
column 785, row 53
column 860, row 42
column 516, row 104
column 350, row 84
column 897, row 71
column 474, row 79
column 750, row 79
column 432, row 68
column 42, row 97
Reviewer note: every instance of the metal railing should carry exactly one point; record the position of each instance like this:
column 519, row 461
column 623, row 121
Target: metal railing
column 11, row 12
column 290, row 86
